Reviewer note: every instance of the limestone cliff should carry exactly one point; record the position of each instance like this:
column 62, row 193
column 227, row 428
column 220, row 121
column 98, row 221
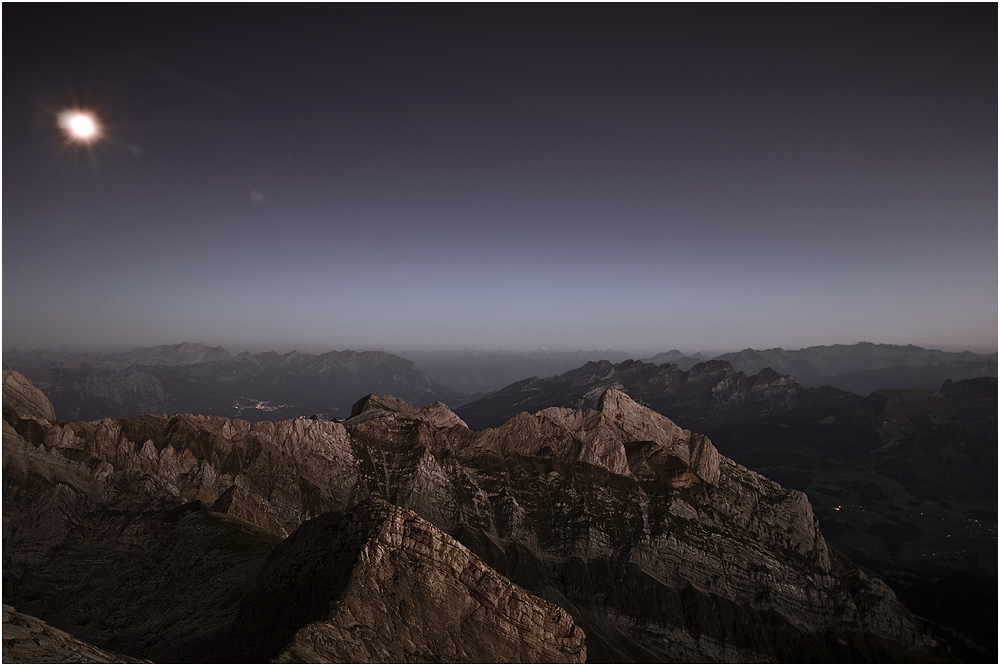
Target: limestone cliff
column 21, row 396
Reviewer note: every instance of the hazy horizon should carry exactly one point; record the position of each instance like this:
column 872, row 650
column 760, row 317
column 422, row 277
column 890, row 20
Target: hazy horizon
column 637, row 178
column 282, row 349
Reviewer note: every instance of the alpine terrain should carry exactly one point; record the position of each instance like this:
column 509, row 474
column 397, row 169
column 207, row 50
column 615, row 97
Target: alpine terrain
column 903, row 480
column 607, row 534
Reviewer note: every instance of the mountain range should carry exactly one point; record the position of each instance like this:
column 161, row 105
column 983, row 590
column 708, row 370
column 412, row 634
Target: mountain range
column 865, row 367
column 710, row 394
column 194, row 378
column 859, row 368
column 474, row 373
column 605, row 534
column 903, row 480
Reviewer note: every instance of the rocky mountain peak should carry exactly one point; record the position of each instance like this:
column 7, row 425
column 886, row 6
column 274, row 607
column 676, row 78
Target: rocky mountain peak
column 440, row 416
column 629, row 364
column 381, row 567
column 373, row 406
column 385, row 403
column 708, row 394
column 599, row 437
column 632, row 422
column 769, row 376
column 595, row 371
column 713, row 370
column 21, row 396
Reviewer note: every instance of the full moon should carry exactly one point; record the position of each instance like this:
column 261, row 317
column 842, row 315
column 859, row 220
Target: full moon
column 79, row 125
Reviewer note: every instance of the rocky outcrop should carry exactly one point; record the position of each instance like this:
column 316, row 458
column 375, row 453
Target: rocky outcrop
column 242, row 504
column 386, row 403
column 174, row 581
column 380, row 584
column 21, row 396
column 372, row 406
column 28, row 640
column 298, row 469
column 656, row 545
column 599, row 437
column 133, row 568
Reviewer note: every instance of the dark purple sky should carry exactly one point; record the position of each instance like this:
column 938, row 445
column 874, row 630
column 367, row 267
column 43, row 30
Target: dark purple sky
column 639, row 178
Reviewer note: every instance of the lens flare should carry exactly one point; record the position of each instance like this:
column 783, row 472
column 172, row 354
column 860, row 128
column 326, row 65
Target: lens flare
column 79, row 126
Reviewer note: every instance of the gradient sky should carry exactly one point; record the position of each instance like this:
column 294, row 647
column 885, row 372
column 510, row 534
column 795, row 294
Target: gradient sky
column 638, row 178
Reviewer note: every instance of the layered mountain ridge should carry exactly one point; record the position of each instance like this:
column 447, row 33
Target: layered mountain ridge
column 193, row 378
column 655, row 544
column 859, row 368
column 904, row 480
column 865, row 366
column 710, row 394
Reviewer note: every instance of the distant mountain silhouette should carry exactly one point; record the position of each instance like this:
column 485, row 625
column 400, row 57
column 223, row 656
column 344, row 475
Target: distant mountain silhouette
column 479, row 372
column 860, row 368
column 209, row 380
column 865, row 367
column 678, row 358
column 708, row 395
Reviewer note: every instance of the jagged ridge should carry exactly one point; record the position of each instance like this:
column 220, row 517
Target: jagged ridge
column 620, row 497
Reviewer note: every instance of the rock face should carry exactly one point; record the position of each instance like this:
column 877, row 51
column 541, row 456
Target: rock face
column 656, row 545
column 380, row 571
column 21, row 396
column 175, row 581
column 599, row 437
column 904, row 481
column 28, row 640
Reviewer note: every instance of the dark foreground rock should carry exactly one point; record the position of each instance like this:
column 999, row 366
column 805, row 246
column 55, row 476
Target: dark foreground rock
column 28, row 640
column 380, row 584
column 173, row 581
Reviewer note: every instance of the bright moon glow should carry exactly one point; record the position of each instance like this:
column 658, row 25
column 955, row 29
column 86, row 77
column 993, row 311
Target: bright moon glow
column 79, row 126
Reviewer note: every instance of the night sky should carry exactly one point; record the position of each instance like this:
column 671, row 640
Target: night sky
column 702, row 177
